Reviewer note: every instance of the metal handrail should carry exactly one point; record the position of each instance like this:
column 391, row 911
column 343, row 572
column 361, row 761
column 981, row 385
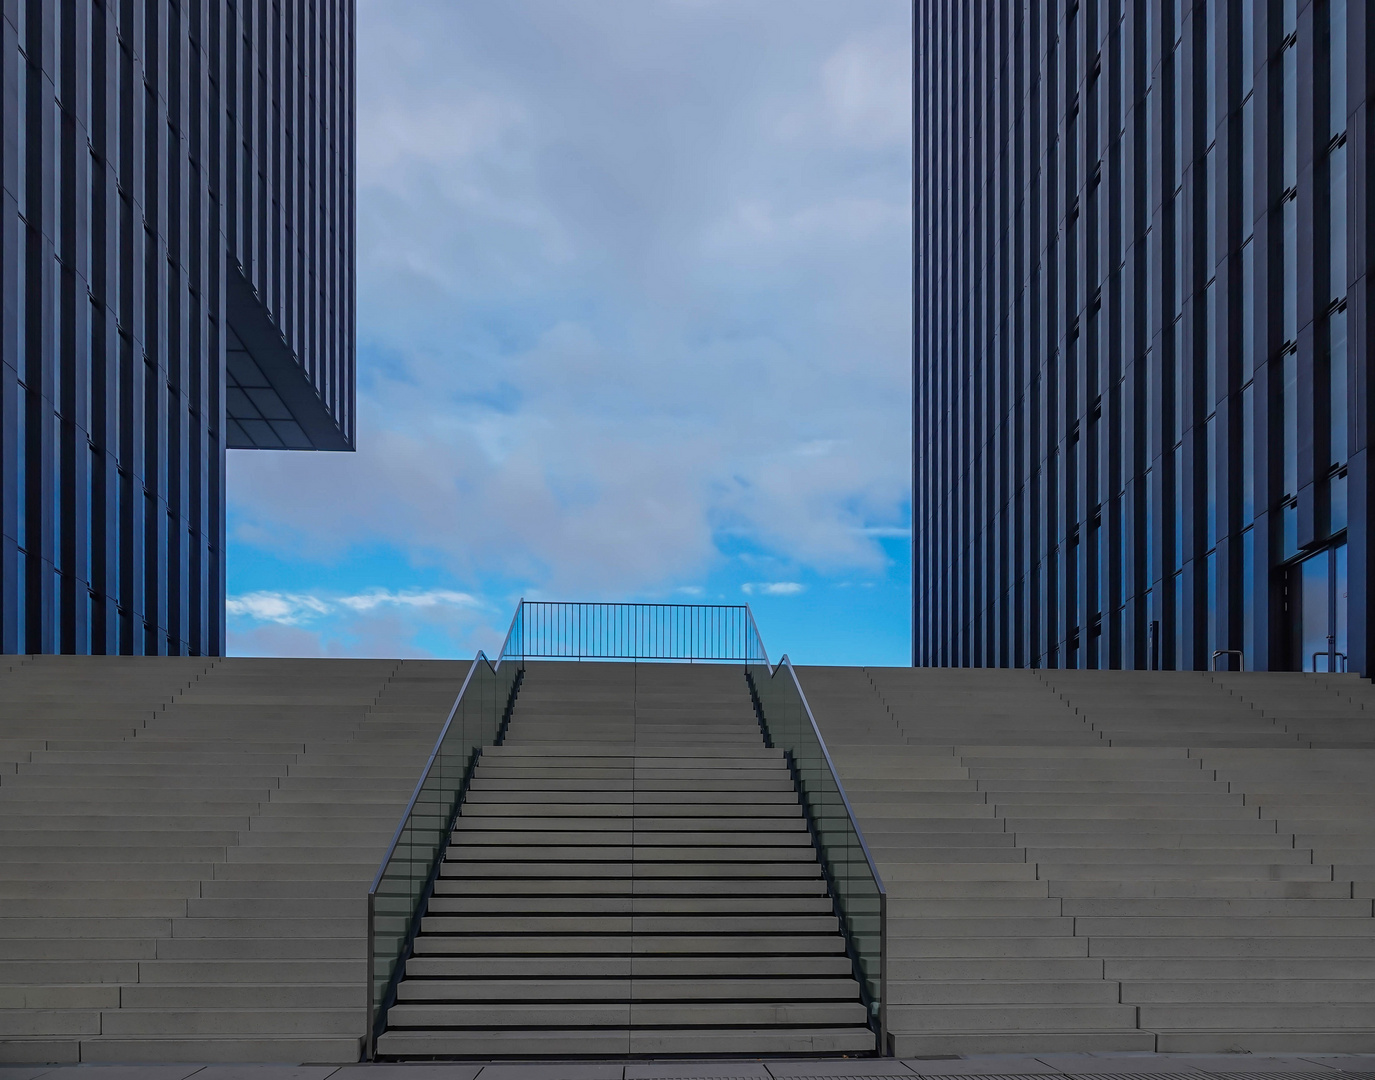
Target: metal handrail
column 756, row 638
column 515, row 618
column 880, row 888
column 1332, row 656
column 390, row 854
column 1228, row 652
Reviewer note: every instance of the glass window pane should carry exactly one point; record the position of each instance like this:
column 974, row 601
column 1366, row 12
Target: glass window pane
column 1248, row 606
column 1248, row 454
column 1248, row 166
column 1337, row 371
column 1211, row 449
column 1210, row 222
column 1338, row 497
column 1212, row 65
column 1182, row 151
column 1177, row 562
column 1182, row 661
column 1248, row 48
column 1340, row 614
column 1337, row 224
column 1291, row 117
column 1206, row 357
column 1337, row 100
column 1248, row 311
column 1291, row 423
column 1214, row 637
column 1291, row 269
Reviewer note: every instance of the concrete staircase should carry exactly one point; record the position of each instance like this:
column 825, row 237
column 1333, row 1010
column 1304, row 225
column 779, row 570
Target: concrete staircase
column 185, row 850
column 1116, row 860
column 631, row 874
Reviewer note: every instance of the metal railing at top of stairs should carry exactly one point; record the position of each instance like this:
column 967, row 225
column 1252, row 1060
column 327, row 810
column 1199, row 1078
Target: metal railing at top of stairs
column 548, row 630
column 402, row 886
column 857, row 889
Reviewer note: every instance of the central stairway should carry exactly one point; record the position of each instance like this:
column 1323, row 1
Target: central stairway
column 631, row 873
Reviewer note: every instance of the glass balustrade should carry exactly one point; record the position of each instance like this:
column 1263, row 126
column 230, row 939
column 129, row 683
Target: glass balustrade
column 402, row 886
column 856, row 886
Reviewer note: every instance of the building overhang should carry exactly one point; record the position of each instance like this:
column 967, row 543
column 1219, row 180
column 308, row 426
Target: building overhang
column 270, row 401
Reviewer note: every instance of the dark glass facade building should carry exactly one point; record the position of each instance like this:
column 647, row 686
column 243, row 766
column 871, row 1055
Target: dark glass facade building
column 176, row 279
column 1143, row 332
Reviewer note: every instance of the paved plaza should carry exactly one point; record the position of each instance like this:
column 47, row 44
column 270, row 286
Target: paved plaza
column 1131, row 1066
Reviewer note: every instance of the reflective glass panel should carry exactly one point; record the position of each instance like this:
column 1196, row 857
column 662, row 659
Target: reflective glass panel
column 1248, row 166
column 1337, row 502
column 1339, row 628
column 1248, row 310
column 1290, row 211
column 1248, row 605
column 1337, row 227
column 1337, row 67
column 1248, row 454
column 1291, row 117
column 1340, row 398
column 1248, row 48
column 1291, row 422
column 1314, row 605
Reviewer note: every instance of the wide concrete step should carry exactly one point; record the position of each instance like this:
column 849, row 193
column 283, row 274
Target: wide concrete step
column 1275, row 991
column 631, row 989
column 647, row 1013
column 781, row 906
column 527, row 1042
column 1003, row 1017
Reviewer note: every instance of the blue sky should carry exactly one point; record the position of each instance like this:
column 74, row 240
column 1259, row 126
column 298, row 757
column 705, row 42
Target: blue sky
column 634, row 288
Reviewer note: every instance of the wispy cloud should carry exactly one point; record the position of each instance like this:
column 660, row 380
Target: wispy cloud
column 287, row 609
column 432, row 598
column 772, row 588
column 293, row 609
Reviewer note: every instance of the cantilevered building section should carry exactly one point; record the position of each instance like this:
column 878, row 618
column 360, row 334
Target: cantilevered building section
column 1143, row 333
column 176, row 279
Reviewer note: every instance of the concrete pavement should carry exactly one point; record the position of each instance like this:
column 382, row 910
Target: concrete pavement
column 1106, row 1066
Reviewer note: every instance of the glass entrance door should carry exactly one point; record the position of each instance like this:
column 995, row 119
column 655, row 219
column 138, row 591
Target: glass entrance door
column 1317, row 611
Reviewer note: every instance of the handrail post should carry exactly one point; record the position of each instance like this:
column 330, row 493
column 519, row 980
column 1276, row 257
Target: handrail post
column 1241, row 656
column 370, row 1038
column 883, row 973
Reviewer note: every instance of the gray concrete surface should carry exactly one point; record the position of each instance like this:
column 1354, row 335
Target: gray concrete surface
column 1116, row 861
column 1106, row 1066
column 186, row 846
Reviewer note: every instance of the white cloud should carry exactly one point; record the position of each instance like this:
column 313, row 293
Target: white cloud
column 288, row 609
column 432, row 598
column 772, row 588
column 292, row 609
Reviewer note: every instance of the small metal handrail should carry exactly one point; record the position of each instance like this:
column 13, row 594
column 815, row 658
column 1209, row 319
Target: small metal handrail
column 1332, row 657
column 1229, row 652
